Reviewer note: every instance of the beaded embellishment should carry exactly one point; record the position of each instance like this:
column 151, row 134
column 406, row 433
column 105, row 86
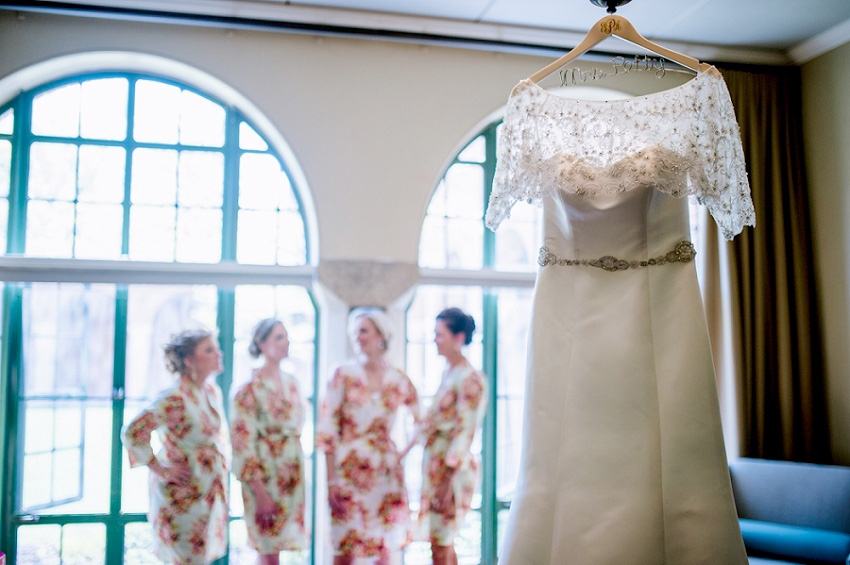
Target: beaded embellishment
column 683, row 252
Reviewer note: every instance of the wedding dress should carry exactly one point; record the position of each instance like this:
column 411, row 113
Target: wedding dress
column 623, row 458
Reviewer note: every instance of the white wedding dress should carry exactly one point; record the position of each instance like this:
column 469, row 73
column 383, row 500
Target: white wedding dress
column 623, row 459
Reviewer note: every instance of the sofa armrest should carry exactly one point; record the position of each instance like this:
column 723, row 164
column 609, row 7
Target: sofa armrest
column 796, row 542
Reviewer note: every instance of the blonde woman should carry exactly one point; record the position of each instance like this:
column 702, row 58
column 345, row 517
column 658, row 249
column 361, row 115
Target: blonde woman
column 370, row 516
column 188, row 505
column 266, row 420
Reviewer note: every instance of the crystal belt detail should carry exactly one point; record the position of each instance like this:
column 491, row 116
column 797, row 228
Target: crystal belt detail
column 683, row 252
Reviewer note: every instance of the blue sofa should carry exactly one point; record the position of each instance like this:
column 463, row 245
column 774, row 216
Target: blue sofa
column 793, row 512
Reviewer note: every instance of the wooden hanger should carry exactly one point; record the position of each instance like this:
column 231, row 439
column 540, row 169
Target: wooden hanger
column 621, row 27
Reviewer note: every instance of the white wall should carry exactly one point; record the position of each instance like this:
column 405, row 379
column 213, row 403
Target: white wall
column 372, row 123
column 826, row 112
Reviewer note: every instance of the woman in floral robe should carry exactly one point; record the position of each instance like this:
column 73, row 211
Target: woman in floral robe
column 265, row 428
column 449, row 470
column 370, row 516
column 188, row 505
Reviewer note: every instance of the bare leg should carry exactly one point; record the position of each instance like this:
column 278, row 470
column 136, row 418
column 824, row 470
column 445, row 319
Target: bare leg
column 269, row 559
column 443, row 555
column 384, row 559
column 343, row 560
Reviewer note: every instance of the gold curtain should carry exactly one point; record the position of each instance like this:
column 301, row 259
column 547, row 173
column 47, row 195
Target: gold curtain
column 765, row 328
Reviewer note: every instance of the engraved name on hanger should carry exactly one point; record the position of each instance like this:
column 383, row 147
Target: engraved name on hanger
column 622, row 65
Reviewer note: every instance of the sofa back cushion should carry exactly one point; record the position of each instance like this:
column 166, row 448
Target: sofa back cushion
column 798, row 494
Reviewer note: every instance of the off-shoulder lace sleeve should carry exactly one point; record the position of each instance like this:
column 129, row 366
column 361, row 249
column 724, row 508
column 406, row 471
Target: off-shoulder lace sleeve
column 687, row 134
column 725, row 190
column 513, row 139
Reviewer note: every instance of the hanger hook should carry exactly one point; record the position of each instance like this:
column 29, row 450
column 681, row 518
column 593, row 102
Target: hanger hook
column 612, row 5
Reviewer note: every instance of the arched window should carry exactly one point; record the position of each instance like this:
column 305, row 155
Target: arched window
column 489, row 275
column 132, row 206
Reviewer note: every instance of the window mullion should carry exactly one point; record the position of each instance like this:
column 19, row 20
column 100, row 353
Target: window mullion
column 230, row 207
column 21, row 139
column 12, row 321
column 489, row 166
column 489, row 512
column 226, row 329
column 129, row 145
column 115, row 526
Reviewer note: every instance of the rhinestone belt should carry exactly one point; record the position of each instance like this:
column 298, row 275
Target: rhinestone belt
column 683, row 252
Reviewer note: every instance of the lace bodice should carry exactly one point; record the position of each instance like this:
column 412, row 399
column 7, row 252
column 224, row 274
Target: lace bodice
column 683, row 141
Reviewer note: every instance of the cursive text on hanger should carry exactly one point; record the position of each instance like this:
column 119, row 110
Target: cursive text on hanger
column 572, row 76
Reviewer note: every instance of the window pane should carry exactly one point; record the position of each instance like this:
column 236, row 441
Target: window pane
column 138, row 544
column 99, row 228
column 104, row 109
column 468, row 541
column 261, row 182
column 201, row 121
column 432, row 243
column 39, row 545
column 101, row 174
column 53, row 171
column 154, row 176
column 465, row 191
column 475, row 152
column 50, row 229
column 83, row 544
column 68, row 335
column 250, row 139
column 292, row 248
column 200, row 179
column 198, row 235
column 256, row 237
column 5, row 167
column 7, row 122
column 264, row 186
column 437, row 206
column 56, row 112
column 518, row 239
column 157, row 112
column 71, row 475
column 68, row 332
column 4, row 226
column 152, row 233
column 465, row 243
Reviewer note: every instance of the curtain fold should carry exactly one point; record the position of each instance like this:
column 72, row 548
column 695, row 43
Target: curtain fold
column 765, row 329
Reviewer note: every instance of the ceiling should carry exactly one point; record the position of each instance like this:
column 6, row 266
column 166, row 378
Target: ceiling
column 753, row 31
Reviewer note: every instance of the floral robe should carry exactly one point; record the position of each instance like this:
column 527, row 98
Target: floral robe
column 266, row 432
column 190, row 522
column 448, row 429
column 355, row 427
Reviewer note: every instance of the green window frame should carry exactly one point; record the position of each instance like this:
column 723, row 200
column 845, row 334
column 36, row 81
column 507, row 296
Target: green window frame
column 239, row 148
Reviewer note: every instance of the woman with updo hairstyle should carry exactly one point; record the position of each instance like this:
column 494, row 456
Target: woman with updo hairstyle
column 449, row 470
column 188, row 505
column 266, row 419
column 370, row 516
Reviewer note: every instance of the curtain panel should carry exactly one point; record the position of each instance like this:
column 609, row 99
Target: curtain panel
column 770, row 339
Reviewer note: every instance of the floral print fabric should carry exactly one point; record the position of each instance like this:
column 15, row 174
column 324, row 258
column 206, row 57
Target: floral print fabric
column 266, row 434
column 449, row 428
column 189, row 521
column 355, row 427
